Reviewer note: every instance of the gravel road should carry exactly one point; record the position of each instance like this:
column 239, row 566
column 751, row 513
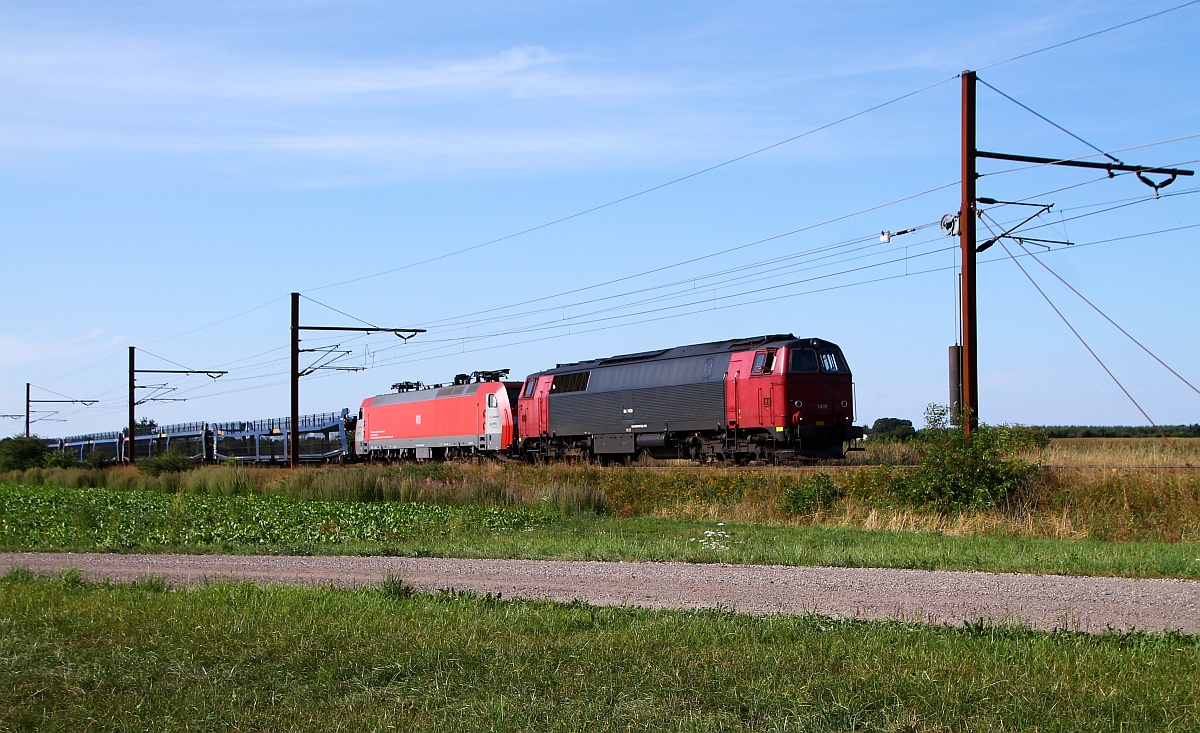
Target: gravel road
column 934, row 597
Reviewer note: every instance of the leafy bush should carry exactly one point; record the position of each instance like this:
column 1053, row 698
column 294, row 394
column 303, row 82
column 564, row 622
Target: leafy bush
column 55, row 459
column 809, row 496
column 95, row 459
column 958, row 471
column 22, row 452
column 169, row 463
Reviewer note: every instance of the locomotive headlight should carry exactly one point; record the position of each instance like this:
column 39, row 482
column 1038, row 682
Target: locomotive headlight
column 799, row 403
column 845, row 403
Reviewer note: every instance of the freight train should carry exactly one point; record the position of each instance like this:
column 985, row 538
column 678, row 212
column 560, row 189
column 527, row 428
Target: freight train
column 767, row 398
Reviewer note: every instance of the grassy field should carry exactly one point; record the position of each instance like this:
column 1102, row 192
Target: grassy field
column 78, row 657
column 1076, row 452
column 1085, row 519
column 45, row 518
column 1135, row 504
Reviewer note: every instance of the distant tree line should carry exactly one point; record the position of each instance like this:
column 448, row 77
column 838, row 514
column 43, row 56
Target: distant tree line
column 894, row 430
column 1122, row 431
column 891, row 430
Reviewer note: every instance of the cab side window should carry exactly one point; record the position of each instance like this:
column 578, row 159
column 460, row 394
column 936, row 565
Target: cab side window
column 529, row 386
column 492, row 400
column 764, row 362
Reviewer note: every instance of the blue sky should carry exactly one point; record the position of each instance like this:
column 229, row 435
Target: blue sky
column 169, row 172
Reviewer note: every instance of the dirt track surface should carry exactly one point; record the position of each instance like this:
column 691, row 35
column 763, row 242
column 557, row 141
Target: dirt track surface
column 935, row 597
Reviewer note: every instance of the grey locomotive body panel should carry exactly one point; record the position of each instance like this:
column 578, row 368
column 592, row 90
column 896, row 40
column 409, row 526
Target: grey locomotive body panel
column 650, row 396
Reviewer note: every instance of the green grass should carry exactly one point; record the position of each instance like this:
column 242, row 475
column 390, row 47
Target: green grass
column 76, row 657
column 82, row 520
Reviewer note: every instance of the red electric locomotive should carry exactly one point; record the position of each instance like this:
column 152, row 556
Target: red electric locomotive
column 473, row 416
column 765, row 398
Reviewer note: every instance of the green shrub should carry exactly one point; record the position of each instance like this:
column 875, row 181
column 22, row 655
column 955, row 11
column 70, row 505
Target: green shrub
column 959, row 471
column 817, row 492
column 169, row 463
column 56, row 459
column 95, row 459
column 22, row 452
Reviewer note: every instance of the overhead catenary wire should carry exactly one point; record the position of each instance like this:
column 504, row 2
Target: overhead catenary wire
column 426, row 356
column 1086, row 36
column 722, row 272
column 770, row 299
column 248, row 311
column 1090, row 350
column 335, row 310
column 642, row 192
column 744, row 156
column 214, row 323
column 1106, row 317
column 759, row 299
column 692, row 260
column 1121, row 203
column 460, row 340
column 1046, row 119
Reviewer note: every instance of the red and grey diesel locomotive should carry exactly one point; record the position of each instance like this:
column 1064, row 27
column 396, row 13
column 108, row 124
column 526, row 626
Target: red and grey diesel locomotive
column 764, row 398
column 767, row 398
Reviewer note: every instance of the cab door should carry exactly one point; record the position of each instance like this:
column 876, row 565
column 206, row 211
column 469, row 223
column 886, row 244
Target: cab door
column 491, row 421
column 526, row 415
column 543, row 404
column 763, row 391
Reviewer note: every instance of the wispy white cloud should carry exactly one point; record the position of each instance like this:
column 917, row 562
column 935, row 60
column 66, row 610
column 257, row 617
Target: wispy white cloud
column 117, row 95
column 138, row 70
column 16, row 351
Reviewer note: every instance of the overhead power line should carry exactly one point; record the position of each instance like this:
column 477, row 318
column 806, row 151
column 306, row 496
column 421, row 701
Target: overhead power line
column 1086, row 36
column 637, row 194
column 1046, row 119
column 430, row 354
column 1086, row 345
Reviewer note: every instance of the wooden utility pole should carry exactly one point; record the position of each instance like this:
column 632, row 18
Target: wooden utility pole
column 968, row 212
column 294, row 418
column 132, row 403
column 294, row 415
column 969, row 400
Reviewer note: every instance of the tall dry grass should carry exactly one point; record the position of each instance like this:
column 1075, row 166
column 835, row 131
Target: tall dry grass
column 1068, row 497
column 1120, row 452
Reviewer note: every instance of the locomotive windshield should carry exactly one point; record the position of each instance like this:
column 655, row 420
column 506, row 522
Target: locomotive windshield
column 803, row 361
column 831, row 361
